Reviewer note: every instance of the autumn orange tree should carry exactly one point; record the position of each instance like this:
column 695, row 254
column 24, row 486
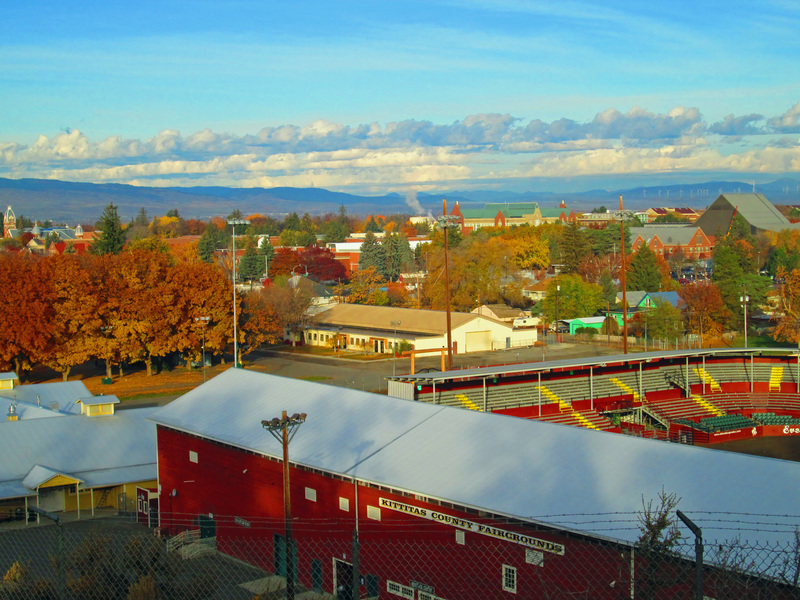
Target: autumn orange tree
column 704, row 310
column 75, row 313
column 26, row 310
column 788, row 328
column 202, row 290
column 259, row 324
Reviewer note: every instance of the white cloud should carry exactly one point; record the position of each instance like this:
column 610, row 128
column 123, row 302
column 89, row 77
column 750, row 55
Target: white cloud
column 422, row 153
column 788, row 122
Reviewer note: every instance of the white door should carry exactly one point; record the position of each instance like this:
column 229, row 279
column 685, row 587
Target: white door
column 478, row 341
column 52, row 499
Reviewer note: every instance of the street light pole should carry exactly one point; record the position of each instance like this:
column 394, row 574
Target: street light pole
column 284, row 429
column 558, row 290
column 204, row 322
column 394, row 346
column 233, row 223
column 744, row 299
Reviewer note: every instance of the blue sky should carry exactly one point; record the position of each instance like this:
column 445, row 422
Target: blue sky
column 373, row 97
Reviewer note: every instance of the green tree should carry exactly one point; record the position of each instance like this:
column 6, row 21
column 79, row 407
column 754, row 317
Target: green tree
column 267, row 253
column 338, row 229
column 251, row 265
column 735, row 275
column 574, row 299
column 307, row 225
column 574, row 246
column 208, row 243
column 372, row 226
column 292, row 221
column 609, row 287
column 372, row 254
column 644, row 273
column 664, row 320
column 142, row 219
column 112, row 236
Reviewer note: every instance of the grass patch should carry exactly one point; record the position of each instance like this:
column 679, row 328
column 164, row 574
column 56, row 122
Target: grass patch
column 316, row 378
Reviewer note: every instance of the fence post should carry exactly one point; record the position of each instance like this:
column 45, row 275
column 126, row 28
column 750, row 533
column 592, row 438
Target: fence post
column 698, row 554
column 356, row 587
column 62, row 567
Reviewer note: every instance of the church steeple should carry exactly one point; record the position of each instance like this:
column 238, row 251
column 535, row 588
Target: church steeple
column 9, row 222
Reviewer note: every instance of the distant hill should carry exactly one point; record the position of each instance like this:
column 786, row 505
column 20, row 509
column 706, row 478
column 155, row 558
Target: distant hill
column 73, row 203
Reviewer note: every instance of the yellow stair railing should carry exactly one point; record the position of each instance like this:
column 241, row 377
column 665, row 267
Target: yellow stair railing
column 775, row 379
column 708, row 406
column 566, row 407
column 467, row 403
column 625, row 387
column 706, row 377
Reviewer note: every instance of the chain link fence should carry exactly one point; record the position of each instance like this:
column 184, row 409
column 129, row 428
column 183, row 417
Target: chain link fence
column 114, row 558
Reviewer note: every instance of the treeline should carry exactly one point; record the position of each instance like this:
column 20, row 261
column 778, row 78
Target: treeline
column 137, row 305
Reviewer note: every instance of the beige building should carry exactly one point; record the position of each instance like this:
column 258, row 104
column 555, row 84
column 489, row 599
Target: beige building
column 382, row 329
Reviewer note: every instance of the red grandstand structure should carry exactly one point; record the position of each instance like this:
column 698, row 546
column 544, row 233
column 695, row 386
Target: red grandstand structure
column 701, row 396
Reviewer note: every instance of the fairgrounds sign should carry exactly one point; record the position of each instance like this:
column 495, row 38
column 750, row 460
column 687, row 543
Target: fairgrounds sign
column 487, row 530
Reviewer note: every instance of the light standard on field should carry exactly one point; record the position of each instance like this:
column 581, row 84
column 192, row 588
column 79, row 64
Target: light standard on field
column 204, row 323
column 445, row 221
column 558, row 290
column 284, row 429
column 394, row 345
column 233, row 223
column 744, row 299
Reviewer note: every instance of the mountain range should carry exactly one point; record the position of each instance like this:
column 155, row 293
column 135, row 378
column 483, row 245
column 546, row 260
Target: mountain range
column 73, row 203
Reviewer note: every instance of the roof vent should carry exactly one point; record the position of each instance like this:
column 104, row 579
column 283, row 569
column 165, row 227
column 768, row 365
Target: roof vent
column 38, row 400
column 12, row 413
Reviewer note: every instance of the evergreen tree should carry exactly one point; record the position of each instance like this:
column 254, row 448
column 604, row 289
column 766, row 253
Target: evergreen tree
column 208, row 243
column 372, row 255
column 643, row 272
column 339, row 228
column 251, row 265
column 391, row 247
column 372, row 226
column 405, row 251
column 574, row 246
column 307, row 225
column 735, row 275
column 291, row 222
column 112, row 237
column 142, row 219
column 609, row 287
column 267, row 253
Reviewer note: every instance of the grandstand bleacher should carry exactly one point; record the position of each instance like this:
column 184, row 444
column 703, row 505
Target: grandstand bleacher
column 708, row 391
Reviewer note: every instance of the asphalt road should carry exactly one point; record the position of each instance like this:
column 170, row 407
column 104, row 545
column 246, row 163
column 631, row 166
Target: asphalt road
column 370, row 375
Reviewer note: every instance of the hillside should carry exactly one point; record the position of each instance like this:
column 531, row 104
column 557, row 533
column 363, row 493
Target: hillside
column 73, row 203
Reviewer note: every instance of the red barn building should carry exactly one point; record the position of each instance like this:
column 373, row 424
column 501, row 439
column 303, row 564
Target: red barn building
column 445, row 503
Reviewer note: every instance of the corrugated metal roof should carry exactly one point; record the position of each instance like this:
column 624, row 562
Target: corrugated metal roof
column 39, row 475
column 86, row 448
column 511, row 466
column 431, row 322
column 64, row 393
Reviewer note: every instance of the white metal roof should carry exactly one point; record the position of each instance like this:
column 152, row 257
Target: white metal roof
column 97, row 450
column 62, row 395
column 508, row 465
column 95, row 400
